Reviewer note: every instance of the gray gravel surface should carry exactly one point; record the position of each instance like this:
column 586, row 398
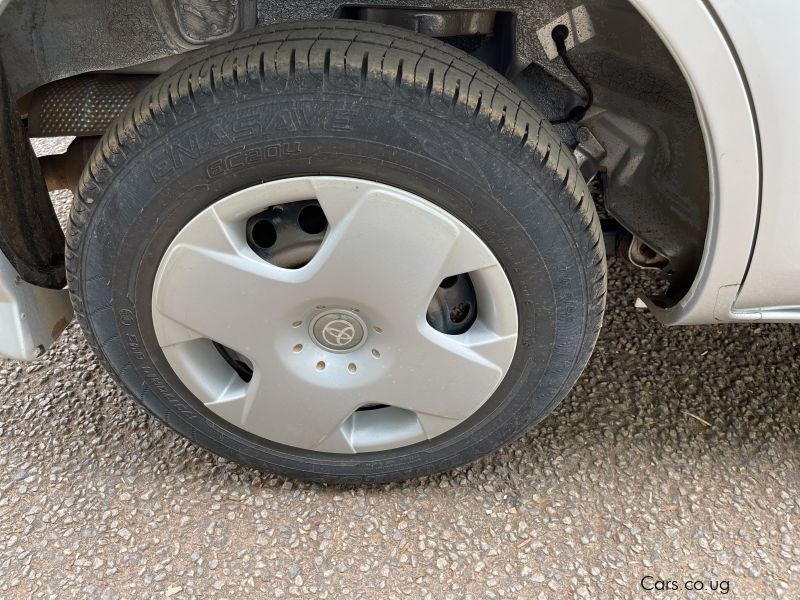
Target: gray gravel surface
column 676, row 456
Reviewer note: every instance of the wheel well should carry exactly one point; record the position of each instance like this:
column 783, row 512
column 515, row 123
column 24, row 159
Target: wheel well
column 641, row 140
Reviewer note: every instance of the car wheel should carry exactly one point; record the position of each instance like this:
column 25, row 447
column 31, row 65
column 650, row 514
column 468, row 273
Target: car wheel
column 339, row 251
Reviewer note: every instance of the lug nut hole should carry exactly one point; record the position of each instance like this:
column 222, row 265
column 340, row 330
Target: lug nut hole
column 297, row 324
column 312, row 219
column 321, row 365
column 448, row 282
column 352, row 368
column 297, row 348
column 375, row 353
column 263, row 234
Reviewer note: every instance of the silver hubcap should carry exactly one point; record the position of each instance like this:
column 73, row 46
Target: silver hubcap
column 342, row 357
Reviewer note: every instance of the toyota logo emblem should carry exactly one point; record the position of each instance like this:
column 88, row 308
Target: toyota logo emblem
column 338, row 333
column 338, row 330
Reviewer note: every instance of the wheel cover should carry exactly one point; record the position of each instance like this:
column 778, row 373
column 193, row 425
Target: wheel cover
column 381, row 260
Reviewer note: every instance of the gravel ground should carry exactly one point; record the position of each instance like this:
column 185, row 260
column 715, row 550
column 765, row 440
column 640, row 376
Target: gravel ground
column 676, row 457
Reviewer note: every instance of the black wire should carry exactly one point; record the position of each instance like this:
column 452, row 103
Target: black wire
column 560, row 34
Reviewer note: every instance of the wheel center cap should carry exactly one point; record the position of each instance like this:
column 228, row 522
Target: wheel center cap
column 338, row 330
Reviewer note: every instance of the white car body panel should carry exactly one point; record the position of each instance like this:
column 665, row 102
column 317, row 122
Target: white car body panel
column 766, row 41
column 31, row 317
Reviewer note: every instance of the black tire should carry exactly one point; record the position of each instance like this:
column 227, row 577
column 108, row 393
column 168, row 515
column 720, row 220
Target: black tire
column 340, row 98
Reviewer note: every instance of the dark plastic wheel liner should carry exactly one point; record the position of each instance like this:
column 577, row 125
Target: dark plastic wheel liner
column 347, row 100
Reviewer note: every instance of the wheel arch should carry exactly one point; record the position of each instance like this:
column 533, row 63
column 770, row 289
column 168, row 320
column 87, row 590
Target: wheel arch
column 691, row 29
